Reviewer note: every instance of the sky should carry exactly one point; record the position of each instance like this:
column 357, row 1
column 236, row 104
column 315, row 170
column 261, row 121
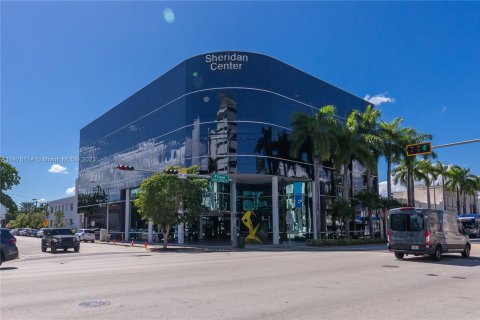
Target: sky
column 65, row 63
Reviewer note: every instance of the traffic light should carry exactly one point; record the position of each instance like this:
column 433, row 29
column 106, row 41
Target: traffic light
column 124, row 167
column 419, row 148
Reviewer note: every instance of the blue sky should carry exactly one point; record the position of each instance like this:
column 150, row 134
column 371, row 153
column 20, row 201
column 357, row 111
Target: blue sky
column 65, row 63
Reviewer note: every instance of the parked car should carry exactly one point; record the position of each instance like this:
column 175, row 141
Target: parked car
column 40, row 233
column 85, row 235
column 59, row 238
column 425, row 231
column 471, row 223
column 8, row 246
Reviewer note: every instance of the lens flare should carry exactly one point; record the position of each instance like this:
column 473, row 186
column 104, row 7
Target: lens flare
column 169, row 15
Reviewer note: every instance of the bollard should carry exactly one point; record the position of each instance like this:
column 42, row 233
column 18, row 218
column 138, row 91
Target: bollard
column 132, row 242
column 145, row 244
column 114, row 241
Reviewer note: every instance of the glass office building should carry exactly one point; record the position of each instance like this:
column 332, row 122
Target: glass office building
column 229, row 113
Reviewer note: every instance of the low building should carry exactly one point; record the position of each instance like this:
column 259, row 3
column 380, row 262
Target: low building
column 437, row 200
column 68, row 206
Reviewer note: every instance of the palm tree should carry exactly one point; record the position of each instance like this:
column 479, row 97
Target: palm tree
column 391, row 136
column 442, row 170
column 426, row 171
column 470, row 190
column 318, row 131
column 366, row 123
column 459, row 180
column 411, row 136
column 350, row 145
column 406, row 172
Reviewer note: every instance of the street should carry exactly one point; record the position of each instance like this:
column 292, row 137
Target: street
column 115, row 282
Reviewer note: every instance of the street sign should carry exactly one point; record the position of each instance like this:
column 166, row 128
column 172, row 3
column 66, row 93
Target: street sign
column 222, row 178
column 182, row 170
column 419, row 148
column 45, row 223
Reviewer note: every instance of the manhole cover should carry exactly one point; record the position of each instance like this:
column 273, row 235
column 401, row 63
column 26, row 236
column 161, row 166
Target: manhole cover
column 389, row 266
column 463, row 278
column 94, row 304
column 432, row 275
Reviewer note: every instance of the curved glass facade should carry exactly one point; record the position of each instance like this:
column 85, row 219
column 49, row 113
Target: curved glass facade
column 228, row 112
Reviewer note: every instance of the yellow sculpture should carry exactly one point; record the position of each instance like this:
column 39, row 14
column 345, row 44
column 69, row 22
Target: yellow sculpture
column 252, row 232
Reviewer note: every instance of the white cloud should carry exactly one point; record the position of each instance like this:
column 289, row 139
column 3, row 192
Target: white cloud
column 56, row 168
column 378, row 99
column 444, row 109
column 70, row 191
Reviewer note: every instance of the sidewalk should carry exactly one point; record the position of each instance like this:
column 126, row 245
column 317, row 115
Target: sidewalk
column 226, row 247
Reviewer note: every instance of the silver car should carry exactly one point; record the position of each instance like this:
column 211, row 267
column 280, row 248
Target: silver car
column 425, row 231
column 85, row 235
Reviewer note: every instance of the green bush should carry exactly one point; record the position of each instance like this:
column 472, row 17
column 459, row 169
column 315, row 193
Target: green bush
column 342, row 242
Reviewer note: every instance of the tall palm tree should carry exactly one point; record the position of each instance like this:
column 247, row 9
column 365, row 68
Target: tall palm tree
column 411, row 136
column 350, row 145
column 427, row 171
column 319, row 131
column 441, row 170
column 391, row 138
column 366, row 124
column 459, row 180
column 406, row 172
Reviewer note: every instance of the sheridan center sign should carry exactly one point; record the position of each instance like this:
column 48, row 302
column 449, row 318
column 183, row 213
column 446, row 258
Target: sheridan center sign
column 228, row 61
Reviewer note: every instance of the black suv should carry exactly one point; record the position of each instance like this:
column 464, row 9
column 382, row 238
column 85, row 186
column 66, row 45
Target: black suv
column 8, row 246
column 59, row 238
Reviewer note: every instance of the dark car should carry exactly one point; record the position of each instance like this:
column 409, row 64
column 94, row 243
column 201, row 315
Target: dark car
column 8, row 246
column 59, row 238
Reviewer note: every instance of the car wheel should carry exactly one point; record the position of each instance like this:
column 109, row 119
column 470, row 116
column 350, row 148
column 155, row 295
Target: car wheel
column 93, row 241
column 466, row 251
column 399, row 255
column 437, row 254
column 1, row 258
column 65, row 249
column 77, row 248
column 54, row 248
column 44, row 249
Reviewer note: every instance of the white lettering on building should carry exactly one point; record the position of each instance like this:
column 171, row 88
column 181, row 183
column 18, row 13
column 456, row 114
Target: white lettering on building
column 228, row 61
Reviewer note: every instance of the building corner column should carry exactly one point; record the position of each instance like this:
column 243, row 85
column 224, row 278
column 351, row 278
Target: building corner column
column 127, row 214
column 233, row 212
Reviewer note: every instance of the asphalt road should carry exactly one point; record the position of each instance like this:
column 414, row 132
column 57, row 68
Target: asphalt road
column 114, row 282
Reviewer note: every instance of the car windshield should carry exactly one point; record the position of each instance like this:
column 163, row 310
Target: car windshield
column 468, row 223
column 62, row 232
column 406, row 222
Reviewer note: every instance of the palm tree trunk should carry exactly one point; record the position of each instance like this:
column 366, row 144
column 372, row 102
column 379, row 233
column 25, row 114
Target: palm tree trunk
column 409, row 190
column 370, row 219
column 389, row 177
column 444, row 194
column 434, row 197
column 429, row 205
column 464, row 202
column 346, row 196
column 317, row 210
column 458, row 201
